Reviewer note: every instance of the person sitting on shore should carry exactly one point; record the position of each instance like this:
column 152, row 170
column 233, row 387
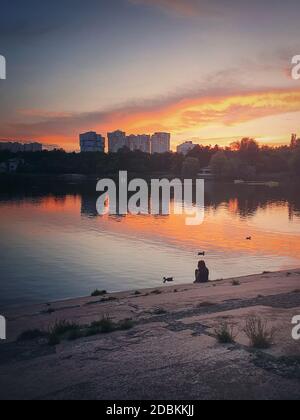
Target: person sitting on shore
column 202, row 273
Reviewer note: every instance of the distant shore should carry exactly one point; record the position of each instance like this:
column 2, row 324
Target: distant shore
column 166, row 348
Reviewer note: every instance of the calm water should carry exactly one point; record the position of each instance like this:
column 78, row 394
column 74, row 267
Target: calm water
column 54, row 246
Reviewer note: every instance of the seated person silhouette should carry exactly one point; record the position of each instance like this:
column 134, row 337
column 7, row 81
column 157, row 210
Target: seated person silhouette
column 202, row 273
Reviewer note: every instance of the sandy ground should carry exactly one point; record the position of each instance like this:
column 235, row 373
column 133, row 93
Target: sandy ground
column 170, row 353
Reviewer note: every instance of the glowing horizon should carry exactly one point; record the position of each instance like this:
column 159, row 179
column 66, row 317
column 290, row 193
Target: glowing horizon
column 193, row 68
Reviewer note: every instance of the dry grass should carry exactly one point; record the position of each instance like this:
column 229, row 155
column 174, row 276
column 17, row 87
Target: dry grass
column 258, row 332
column 226, row 333
column 31, row 335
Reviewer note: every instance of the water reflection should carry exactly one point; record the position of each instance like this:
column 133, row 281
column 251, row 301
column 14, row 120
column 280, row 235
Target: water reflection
column 242, row 200
column 54, row 245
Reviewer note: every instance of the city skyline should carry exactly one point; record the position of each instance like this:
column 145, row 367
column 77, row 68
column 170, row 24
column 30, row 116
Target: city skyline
column 195, row 68
column 146, row 143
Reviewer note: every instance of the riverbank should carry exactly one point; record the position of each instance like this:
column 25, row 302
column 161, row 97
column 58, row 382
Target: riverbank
column 168, row 351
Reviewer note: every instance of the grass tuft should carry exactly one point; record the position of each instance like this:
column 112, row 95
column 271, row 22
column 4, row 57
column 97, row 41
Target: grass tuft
column 126, row 325
column 225, row 333
column 260, row 336
column 104, row 326
column 62, row 329
column 31, row 335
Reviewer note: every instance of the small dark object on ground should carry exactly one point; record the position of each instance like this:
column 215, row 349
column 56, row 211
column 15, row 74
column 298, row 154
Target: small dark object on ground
column 48, row 311
column 236, row 283
column 97, row 293
column 168, row 280
column 109, row 299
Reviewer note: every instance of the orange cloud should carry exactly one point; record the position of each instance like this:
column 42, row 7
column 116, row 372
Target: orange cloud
column 177, row 115
column 203, row 111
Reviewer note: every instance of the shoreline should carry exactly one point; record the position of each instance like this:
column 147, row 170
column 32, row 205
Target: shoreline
column 108, row 299
column 17, row 307
column 169, row 352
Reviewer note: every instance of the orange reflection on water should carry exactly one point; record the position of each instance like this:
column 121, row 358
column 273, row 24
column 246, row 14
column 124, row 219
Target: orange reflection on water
column 224, row 230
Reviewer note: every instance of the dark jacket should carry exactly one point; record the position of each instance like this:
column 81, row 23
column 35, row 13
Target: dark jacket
column 202, row 275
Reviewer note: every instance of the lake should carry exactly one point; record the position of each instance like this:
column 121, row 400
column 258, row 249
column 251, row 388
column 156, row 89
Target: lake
column 55, row 246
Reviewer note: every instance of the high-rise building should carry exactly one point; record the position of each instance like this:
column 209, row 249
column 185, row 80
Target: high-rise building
column 140, row 142
column 91, row 142
column 33, row 147
column 185, row 148
column 16, row 147
column 116, row 141
column 160, row 143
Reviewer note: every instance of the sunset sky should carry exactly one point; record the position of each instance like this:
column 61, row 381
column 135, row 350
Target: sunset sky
column 211, row 71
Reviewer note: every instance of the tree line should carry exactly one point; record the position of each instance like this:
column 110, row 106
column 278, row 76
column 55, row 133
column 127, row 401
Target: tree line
column 241, row 160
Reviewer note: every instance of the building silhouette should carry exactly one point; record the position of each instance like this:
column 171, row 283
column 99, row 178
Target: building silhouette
column 16, row 147
column 116, row 141
column 161, row 143
column 185, row 148
column 91, row 142
column 141, row 142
